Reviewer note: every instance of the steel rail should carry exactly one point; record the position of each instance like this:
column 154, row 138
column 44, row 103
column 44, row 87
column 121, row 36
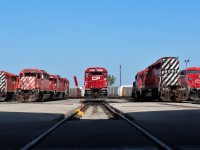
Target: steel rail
column 153, row 138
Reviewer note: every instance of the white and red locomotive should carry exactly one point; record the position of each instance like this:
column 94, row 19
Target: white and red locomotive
column 160, row 81
column 36, row 84
column 33, row 85
column 96, row 82
column 190, row 78
column 8, row 84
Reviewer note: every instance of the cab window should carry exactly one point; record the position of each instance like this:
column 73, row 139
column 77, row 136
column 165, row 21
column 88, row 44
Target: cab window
column 21, row 75
column 46, row 76
column 105, row 74
column 13, row 78
column 96, row 73
column 86, row 74
column 183, row 72
column 191, row 72
column 158, row 66
column 39, row 76
column 30, row 74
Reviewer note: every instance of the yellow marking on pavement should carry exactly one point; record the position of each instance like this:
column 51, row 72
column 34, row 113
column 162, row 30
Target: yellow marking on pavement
column 79, row 113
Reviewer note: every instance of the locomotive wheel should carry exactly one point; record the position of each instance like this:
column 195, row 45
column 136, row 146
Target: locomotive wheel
column 10, row 97
column 63, row 95
column 40, row 96
column 52, row 97
column 13, row 97
column 6, row 98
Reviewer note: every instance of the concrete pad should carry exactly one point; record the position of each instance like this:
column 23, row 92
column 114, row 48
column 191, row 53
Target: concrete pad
column 21, row 122
column 34, row 111
column 153, row 106
column 175, row 123
column 96, row 134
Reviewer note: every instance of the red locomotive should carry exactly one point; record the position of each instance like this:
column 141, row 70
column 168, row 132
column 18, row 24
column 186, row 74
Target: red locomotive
column 160, row 81
column 8, row 83
column 33, row 85
column 59, row 86
column 190, row 78
column 96, row 82
column 65, row 88
column 137, row 85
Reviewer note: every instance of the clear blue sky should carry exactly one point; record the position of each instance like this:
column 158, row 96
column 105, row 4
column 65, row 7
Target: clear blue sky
column 65, row 37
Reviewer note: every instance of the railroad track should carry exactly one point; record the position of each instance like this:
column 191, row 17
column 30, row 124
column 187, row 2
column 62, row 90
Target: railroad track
column 89, row 111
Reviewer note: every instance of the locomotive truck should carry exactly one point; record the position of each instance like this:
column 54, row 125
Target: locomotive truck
column 96, row 82
column 33, row 85
column 8, row 84
column 160, row 81
column 190, row 78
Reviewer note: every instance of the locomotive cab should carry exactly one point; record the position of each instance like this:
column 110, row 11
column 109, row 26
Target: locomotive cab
column 96, row 82
column 191, row 78
column 8, row 83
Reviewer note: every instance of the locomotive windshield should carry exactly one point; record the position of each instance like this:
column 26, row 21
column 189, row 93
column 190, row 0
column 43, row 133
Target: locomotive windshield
column 95, row 73
column 52, row 79
column 191, row 72
column 30, row 74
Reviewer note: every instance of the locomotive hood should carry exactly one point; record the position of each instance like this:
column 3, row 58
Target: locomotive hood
column 28, row 83
column 2, row 81
column 170, row 71
column 97, row 82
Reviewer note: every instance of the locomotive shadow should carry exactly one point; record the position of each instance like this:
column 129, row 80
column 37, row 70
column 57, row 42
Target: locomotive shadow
column 176, row 127
column 170, row 126
column 95, row 134
column 19, row 128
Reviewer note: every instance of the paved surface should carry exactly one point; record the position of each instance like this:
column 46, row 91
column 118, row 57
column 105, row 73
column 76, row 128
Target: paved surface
column 21, row 122
column 176, row 123
column 95, row 134
column 95, row 131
